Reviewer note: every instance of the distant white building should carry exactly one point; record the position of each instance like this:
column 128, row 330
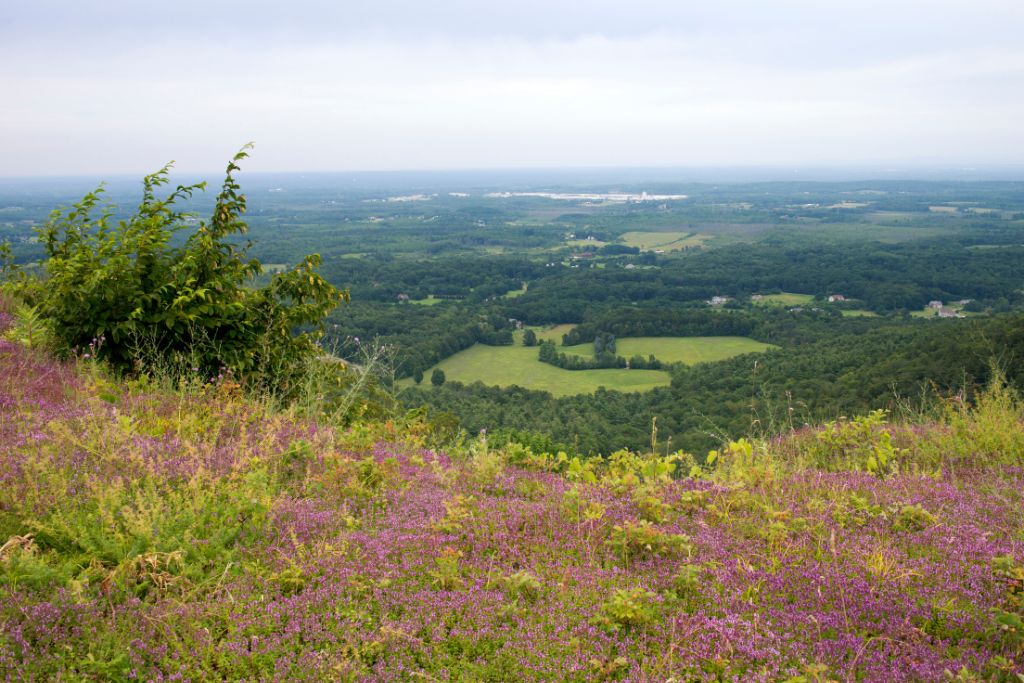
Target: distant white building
column 935, row 304
column 719, row 300
column 836, row 297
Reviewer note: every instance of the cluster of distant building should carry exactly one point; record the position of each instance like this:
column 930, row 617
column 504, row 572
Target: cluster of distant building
column 944, row 311
column 616, row 197
column 941, row 310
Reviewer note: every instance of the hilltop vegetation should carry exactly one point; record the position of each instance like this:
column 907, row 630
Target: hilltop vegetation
column 187, row 532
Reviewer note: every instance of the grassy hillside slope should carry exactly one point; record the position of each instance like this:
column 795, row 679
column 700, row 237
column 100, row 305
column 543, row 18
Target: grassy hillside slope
column 194, row 534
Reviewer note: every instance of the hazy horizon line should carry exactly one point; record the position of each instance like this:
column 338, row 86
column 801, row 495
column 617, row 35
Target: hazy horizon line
column 887, row 168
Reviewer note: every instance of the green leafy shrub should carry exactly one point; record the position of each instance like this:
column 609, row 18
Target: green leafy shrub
column 1008, row 618
column 739, row 461
column 520, row 586
column 291, row 580
column 913, row 518
column 626, row 469
column 447, row 572
column 458, row 511
column 487, row 466
column 691, row 501
column 579, row 509
column 638, row 540
column 628, row 609
column 651, row 507
column 126, row 288
column 856, row 511
column 30, row 329
column 860, row 444
column 1006, row 568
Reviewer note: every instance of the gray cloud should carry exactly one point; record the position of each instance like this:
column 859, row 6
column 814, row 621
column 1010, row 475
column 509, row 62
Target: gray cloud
column 120, row 87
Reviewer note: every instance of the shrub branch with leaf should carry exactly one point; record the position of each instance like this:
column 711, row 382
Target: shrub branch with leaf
column 149, row 300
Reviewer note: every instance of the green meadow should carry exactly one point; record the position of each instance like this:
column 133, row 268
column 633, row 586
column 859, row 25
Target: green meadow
column 518, row 365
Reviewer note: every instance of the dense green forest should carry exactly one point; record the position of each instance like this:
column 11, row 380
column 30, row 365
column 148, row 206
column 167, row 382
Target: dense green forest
column 883, row 277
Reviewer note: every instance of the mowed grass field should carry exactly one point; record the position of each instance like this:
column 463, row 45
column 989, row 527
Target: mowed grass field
column 668, row 240
column 505, row 366
column 687, row 350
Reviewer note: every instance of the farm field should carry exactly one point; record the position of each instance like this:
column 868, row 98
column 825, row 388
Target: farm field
column 859, row 313
column 668, row 241
column 687, row 350
column 890, row 216
column 784, row 299
column 505, row 366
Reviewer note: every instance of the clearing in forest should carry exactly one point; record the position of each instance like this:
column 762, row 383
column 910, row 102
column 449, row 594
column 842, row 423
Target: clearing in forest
column 505, row 366
column 687, row 350
column 784, row 299
column 666, row 241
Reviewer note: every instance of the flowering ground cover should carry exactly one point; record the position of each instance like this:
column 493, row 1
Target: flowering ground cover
column 194, row 534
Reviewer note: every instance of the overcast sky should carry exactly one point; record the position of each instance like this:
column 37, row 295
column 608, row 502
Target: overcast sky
column 121, row 87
